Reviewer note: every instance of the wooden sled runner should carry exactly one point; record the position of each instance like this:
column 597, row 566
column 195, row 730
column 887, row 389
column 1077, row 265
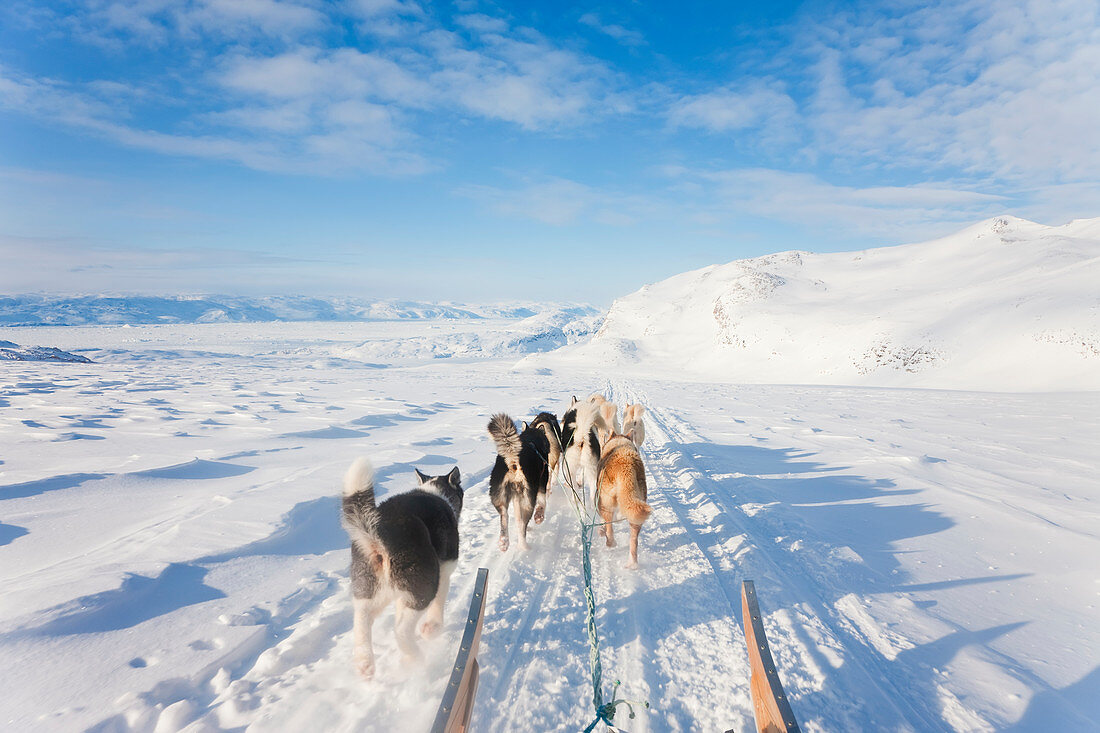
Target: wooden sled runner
column 458, row 701
column 770, row 706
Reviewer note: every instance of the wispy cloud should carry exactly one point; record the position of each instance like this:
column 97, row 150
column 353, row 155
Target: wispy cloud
column 74, row 265
column 997, row 89
column 115, row 23
column 306, row 106
column 889, row 213
column 564, row 202
column 715, row 200
column 620, row 33
column 763, row 115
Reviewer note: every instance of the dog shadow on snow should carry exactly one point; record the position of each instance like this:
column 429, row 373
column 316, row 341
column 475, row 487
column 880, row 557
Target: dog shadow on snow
column 310, row 527
column 841, row 528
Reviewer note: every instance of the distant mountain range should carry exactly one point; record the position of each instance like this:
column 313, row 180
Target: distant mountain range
column 45, row 310
column 1006, row 304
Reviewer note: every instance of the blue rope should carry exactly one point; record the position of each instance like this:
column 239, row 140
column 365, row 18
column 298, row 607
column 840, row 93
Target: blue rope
column 604, row 712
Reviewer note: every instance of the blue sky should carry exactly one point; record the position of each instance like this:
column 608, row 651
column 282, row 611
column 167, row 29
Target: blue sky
column 488, row 151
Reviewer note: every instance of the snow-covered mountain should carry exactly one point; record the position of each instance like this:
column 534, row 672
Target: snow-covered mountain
column 10, row 351
column 38, row 310
column 1006, row 304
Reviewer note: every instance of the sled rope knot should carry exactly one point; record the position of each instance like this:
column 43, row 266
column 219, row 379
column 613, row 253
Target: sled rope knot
column 605, row 712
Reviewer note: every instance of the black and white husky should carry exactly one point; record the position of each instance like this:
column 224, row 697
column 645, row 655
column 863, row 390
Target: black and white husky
column 548, row 423
column 402, row 551
column 521, row 473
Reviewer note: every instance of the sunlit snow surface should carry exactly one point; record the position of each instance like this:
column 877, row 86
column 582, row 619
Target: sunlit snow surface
column 171, row 555
column 1005, row 304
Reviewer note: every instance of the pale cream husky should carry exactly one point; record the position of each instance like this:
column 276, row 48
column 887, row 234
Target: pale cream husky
column 632, row 423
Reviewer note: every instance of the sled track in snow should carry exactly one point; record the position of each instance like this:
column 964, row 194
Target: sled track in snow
column 783, row 584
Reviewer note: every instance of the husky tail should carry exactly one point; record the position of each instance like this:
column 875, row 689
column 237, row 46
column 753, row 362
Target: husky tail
column 610, row 414
column 548, row 423
column 504, row 433
column 360, row 515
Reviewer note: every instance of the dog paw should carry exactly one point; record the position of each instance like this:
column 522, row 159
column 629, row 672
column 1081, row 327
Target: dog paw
column 364, row 665
column 503, row 544
column 540, row 514
column 611, row 542
column 631, row 565
column 430, row 628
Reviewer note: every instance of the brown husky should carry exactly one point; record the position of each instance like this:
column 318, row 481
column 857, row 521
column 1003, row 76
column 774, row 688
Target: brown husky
column 620, row 485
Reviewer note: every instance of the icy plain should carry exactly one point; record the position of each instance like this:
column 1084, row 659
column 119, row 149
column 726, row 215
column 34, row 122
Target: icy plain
column 172, row 559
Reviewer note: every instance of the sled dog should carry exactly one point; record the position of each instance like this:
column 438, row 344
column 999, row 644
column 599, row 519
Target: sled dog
column 520, row 475
column 581, row 429
column 609, row 412
column 403, row 551
column 548, row 423
column 632, row 423
column 621, row 487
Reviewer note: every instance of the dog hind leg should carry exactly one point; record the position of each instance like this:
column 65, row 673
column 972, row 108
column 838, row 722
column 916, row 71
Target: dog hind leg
column 404, row 627
column 608, row 528
column 432, row 622
column 635, row 530
column 365, row 611
column 540, row 505
column 523, row 517
column 502, row 509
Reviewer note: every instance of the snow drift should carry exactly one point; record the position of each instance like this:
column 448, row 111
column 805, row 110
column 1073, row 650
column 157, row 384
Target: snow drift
column 1006, row 304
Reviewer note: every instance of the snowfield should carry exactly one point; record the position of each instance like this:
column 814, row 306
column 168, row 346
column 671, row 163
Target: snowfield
column 172, row 559
column 1006, row 305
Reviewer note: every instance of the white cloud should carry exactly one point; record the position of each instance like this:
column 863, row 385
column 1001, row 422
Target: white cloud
column 271, row 17
column 67, row 265
column 482, row 23
column 374, row 148
column 563, row 202
column 889, row 213
column 525, row 81
column 117, row 23
column 996, row 89
column 726, row 110
column 623, row 35
column 290, row 105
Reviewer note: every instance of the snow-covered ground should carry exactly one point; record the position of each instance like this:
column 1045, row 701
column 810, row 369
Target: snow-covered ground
column 171, row 554
column 1005, row 304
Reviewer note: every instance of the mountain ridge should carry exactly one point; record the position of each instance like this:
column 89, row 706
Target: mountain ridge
column 1004, row 304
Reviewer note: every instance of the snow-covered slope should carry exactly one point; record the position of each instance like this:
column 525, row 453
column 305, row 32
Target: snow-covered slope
column 34, row 310
column 10, row 351
column 1005, row 304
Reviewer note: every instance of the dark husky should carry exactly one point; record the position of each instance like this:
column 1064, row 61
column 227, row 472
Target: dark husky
column 548, row 423
column 402, row 551
column 521, row 473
